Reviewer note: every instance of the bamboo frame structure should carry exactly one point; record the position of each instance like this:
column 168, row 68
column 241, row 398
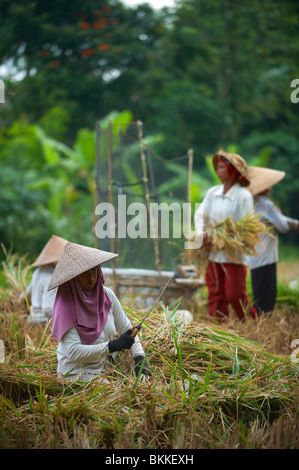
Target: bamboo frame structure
column 147, row 180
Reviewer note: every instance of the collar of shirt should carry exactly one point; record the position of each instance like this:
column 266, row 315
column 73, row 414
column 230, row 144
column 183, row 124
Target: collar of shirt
column 231, row 193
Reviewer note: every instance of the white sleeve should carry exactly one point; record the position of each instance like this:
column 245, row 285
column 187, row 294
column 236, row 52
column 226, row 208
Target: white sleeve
column 122, row 323
column 292, row 223
column 72, row 348
column 282, row 223
column 247, row 205
column 199, row 220
column 201, row 214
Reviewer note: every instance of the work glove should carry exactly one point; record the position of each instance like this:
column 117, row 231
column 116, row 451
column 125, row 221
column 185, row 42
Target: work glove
column 138, row 362
column 125, row 341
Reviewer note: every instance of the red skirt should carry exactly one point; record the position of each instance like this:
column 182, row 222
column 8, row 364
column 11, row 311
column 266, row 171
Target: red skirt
column 227, row 286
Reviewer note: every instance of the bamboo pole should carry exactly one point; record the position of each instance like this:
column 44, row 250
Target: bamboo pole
column 147, row 194
column 190, row 167
column 96, row 191
column 110, row 195
column 154, row 195
column 120, row 142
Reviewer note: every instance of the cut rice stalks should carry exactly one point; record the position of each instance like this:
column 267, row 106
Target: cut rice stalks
column 217, row 362
column 197, row 370
column 234, row 238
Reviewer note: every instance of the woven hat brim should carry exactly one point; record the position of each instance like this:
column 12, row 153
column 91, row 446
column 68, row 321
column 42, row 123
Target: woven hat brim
column 236, row 160
column 75, row 260
column 51, row 251
column 262, row 178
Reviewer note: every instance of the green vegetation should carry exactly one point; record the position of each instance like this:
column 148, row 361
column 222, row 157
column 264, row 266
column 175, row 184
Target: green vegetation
column 205, row 75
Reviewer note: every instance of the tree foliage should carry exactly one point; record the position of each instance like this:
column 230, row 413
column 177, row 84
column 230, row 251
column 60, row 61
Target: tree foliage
column 206, row 74
column 71, row 53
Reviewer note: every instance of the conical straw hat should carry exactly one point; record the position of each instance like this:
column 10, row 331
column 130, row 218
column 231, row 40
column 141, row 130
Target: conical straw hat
column 262, row 178
column 75, row 260
column 236, row 160
column 51, row 251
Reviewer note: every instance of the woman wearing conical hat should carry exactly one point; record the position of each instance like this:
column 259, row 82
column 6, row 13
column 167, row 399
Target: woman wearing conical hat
column 263, row 267
column 40, row 299
column 87, row 315
column 226, row 279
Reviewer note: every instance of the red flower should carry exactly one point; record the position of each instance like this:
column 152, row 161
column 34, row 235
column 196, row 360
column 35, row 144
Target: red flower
column 86, row 52
column 103, row 47
column 54, row 63
column 84, row 25
column 98, row 25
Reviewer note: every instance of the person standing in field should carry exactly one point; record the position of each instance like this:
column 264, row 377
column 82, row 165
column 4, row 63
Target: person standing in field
column 40, row 299
column 263, row 266
column 226, row 280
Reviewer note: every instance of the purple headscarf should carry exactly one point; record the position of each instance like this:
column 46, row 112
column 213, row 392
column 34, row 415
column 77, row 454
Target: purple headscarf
column 86, row 310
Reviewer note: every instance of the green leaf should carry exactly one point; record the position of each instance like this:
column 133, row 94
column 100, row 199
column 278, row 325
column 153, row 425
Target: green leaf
column 236, row 364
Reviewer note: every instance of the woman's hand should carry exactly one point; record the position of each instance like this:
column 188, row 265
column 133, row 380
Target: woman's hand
column 125, row 341
column 138, row 362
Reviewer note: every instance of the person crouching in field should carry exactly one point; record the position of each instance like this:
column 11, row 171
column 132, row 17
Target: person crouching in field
column 263, row 266
column 40, row 299
column 87, row 315
column 226, row 280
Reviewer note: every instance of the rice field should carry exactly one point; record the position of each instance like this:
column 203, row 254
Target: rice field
column 232, row 386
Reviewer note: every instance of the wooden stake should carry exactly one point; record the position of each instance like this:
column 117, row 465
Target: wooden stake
column 190, row 167
column 96, row 196
column 147, row 194
column 110, row 181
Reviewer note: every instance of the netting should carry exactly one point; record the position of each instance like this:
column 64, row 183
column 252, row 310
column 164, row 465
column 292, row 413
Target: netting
column 133, row 180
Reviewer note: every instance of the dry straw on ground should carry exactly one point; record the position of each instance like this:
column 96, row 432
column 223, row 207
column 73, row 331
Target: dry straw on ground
column 212, row 387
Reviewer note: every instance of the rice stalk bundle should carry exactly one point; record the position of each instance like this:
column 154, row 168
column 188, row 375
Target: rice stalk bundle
column 234, row 238
column 232, row 362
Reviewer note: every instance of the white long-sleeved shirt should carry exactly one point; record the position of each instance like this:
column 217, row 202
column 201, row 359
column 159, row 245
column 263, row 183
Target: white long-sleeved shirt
column 216, row 207
column 268, row 250
column 41, row 300
column 86, row 362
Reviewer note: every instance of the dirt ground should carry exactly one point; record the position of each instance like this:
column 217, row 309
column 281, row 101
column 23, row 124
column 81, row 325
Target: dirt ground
column 288, row 271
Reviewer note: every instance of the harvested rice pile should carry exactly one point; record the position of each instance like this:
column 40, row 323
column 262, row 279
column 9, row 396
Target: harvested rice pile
column 201, row 374
column 197, row 350
column 207, row 383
